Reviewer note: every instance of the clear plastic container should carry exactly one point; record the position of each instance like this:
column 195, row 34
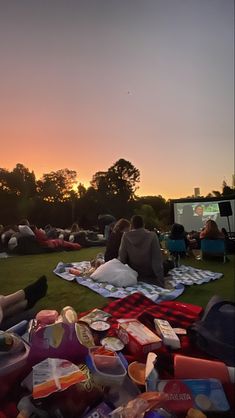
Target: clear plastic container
column 107, row 370
column 12, row 368
column 11, row 362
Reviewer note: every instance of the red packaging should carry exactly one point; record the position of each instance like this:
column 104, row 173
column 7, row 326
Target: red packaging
column 76, row 272
column 139, row 339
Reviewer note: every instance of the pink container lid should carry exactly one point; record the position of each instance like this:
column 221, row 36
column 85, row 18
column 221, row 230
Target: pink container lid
column 47, row 316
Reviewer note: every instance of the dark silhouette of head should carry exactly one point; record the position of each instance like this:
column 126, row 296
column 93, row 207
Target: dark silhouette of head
column 137, row 222
column 177, row 230
column 75, row 227
column 211, row 228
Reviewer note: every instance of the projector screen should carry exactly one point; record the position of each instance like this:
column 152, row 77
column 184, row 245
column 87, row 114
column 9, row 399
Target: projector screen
column 193, row 215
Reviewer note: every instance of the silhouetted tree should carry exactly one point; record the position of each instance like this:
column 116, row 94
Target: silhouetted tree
column 120, row 180
column 23, row 181
column 123, row 177
column 100, row 189
column 226, row 190
column 216, row 193
column 4, row 180
column 56, row 186
column 116, row 187
column 149, row 216
column 160, row 206
column 54, row 199
column 72, row 198
column 81, row 190
column 19, row 181
column 158, row 203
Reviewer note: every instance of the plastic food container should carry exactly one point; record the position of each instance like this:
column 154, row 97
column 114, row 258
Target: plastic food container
column 99, row 326
column 112, row 343
column 136, row 372
column 12, row 366
column 99, row 329
column 107, row 370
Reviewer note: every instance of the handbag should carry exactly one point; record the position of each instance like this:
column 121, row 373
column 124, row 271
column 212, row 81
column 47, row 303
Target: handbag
column 214, row 333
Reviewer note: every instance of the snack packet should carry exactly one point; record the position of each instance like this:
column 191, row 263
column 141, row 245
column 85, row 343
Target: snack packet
column 138, row 406
column 74, row 401
column 95, row 315
column 53, row 375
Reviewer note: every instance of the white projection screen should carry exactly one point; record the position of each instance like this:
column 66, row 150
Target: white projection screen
column 194, row 214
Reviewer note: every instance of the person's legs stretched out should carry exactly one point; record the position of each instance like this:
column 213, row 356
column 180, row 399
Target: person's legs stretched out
column 23, row 299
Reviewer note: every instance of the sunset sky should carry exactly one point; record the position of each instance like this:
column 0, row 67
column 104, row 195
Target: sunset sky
column 86, row 82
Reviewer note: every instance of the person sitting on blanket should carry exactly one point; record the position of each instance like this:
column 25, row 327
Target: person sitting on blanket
column 114, row 241
column 16, row 306
column 140, row 249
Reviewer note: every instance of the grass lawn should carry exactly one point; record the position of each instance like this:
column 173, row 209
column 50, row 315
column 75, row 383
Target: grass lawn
column 18, row 271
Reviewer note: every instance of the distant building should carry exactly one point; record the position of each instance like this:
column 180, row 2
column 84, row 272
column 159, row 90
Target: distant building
column 196, row 191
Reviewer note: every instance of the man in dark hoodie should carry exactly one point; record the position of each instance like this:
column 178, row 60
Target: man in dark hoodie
column 140, row 249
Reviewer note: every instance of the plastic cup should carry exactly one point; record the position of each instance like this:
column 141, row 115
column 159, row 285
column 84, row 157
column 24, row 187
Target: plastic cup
column 136, row 372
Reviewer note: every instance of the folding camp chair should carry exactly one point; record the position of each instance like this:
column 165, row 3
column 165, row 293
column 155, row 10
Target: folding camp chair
column 213, row 247
column 176, row 247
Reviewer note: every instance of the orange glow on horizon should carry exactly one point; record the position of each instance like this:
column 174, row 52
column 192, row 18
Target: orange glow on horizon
column 149, row 185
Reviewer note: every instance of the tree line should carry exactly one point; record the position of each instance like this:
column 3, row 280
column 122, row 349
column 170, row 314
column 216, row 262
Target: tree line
column 57, row 198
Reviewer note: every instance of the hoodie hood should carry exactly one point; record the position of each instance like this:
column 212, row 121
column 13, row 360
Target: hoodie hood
column 141, row 251
column 137, row 237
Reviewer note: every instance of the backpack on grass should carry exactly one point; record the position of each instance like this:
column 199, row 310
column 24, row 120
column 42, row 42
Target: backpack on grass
column 215, row 332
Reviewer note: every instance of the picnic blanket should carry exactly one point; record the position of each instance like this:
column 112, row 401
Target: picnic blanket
column 179, row 277
column 179, row 314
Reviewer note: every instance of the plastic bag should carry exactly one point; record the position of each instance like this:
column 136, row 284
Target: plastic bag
column 116, row 273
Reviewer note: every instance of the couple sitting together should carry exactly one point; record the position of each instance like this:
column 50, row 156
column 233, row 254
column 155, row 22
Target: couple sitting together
column 134, row 245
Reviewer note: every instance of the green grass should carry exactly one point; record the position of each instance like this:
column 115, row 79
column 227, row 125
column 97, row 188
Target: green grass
column 18, row 271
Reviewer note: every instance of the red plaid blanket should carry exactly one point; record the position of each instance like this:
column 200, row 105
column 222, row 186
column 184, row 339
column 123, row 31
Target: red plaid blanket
column 136, row 305
column 180, row 315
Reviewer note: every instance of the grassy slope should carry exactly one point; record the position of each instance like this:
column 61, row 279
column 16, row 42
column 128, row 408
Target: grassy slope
column 17, row 272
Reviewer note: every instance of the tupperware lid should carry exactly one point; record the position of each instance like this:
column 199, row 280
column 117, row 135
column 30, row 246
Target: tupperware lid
column 13, row 362
column 112, row 343
column 109, row 365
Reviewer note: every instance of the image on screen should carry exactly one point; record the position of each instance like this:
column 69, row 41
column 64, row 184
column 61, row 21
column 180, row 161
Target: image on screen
column 193, row 215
